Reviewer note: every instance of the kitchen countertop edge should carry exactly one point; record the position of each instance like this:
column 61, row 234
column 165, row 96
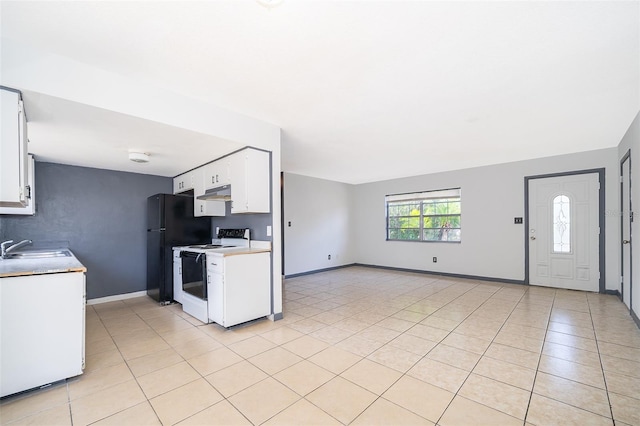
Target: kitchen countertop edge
column 26, row 267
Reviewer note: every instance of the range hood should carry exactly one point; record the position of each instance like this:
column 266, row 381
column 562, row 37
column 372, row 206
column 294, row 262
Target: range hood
column 220, row 193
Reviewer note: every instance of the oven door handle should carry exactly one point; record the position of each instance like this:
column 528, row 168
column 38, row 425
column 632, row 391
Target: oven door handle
column 205, row 282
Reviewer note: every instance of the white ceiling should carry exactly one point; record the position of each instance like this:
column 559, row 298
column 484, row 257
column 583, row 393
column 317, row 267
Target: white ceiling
column 363, row 90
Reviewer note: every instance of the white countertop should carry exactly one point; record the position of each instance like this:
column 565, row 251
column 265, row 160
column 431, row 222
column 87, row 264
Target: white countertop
column 21, row 267
column 256, row 247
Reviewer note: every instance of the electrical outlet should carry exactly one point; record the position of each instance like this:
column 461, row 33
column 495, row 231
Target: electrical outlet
column 435, row 259
column 329, row 257
column 517, row 220
column 268, row 230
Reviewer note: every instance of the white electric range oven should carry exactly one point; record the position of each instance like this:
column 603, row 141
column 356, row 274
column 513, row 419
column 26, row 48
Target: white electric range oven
column 194, row 295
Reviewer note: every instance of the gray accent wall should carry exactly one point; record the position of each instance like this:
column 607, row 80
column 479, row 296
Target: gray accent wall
column 256, row 222
column 102, row 215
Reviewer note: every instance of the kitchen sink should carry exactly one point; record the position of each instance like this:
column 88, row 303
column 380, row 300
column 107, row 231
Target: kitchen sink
column 39, row 254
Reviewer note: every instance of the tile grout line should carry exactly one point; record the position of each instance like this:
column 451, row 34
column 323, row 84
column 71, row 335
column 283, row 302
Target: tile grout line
column 573, row 362
column 483, row 354
column 544, row 342
column 604, row 377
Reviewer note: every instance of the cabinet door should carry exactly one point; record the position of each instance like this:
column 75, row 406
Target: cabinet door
column 215, row 295
column 258, row 178
column 238, row 181
column 216, row 173
column 210, row 175
column 177, row 277
column 13, row 151
column 179, row 184
column 215, row 287
column 247, row 280
column 183, row 182
column 223, row 171
column 30, row 208
column 249, row 174
column 204, row 207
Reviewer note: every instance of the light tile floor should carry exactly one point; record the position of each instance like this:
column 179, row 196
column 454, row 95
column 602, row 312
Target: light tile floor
column 358, row 346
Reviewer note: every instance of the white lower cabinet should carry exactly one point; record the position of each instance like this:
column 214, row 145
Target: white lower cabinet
column 238, row 287
column 42, row 329
column 177, row 276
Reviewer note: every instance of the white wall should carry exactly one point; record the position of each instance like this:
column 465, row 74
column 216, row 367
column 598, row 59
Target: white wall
column 321, row 224
column 492, row 245
column 631, row 141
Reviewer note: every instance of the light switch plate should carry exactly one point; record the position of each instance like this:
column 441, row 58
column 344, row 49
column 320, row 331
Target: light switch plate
column 268, row 230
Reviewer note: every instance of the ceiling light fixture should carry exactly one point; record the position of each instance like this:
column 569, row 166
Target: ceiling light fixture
column 139, row 157
column 270, row 4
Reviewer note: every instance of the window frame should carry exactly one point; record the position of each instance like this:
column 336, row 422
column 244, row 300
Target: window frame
column 422, row 198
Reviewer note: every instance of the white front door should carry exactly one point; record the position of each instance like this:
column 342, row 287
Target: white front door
column 563, row 234
column 625, row 197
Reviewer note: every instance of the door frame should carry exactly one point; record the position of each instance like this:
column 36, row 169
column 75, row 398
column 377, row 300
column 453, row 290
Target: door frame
column 627, row 156
column 601, row 221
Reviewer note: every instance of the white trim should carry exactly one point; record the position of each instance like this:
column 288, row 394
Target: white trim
column 116, row 297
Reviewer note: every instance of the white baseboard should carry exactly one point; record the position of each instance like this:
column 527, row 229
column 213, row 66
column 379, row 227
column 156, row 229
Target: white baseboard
column 116, row 297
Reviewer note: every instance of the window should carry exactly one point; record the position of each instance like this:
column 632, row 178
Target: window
column 424, row 216
column 561, row 224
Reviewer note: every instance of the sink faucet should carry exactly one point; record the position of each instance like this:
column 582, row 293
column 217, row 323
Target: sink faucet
column 6, row 250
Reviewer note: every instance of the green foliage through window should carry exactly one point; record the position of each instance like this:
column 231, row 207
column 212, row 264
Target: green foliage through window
column 424, row 216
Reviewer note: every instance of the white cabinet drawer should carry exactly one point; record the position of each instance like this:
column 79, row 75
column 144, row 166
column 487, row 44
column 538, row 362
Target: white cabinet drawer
column 215, row 263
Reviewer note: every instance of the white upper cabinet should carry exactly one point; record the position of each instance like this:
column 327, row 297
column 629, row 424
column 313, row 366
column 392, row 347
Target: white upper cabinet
column 183, row 182
column 14, row 167
column 248, row 173
column 204, row 207
column 30, row 208
column 249, row 179
column 216, row 173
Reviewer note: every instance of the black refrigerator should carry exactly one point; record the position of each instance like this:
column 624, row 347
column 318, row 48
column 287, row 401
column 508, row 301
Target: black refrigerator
column 170, row 223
